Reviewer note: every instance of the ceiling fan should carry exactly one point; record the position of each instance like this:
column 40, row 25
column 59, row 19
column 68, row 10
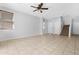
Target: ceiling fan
column 39, row 8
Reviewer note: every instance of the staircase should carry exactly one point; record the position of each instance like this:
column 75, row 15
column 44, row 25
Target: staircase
column 65, row 30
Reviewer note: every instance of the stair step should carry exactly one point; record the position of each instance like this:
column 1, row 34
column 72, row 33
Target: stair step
column 65, row 30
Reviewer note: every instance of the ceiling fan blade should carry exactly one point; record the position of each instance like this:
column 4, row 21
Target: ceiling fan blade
column 41, row 11
column 40, row 5
column 34, row 10
column 33, row 6
column 44, row 8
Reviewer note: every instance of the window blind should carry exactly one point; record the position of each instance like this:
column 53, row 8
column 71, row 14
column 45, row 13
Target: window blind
column 6, row 21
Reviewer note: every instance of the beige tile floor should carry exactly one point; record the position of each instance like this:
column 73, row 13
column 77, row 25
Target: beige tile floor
column 41, row 45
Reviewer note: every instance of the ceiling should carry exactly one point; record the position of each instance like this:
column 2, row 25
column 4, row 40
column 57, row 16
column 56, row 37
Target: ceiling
column 55, row 9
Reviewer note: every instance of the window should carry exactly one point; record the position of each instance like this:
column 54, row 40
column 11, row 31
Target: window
column 6, row 21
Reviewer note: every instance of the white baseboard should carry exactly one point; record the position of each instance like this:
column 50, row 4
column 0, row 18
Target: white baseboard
column 19, row 37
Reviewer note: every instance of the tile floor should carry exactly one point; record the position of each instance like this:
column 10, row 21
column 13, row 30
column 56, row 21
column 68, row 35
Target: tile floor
column 41, row 45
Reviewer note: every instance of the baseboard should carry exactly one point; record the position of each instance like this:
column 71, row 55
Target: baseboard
column 75, row 34
column 20, row 37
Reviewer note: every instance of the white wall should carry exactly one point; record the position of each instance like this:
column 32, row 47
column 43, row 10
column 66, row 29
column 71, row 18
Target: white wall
column 67, row 19
column 54, row 25
column 25, row 25
column 75, row 25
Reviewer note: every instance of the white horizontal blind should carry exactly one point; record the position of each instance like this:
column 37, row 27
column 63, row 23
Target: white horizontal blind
column 6, row 21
